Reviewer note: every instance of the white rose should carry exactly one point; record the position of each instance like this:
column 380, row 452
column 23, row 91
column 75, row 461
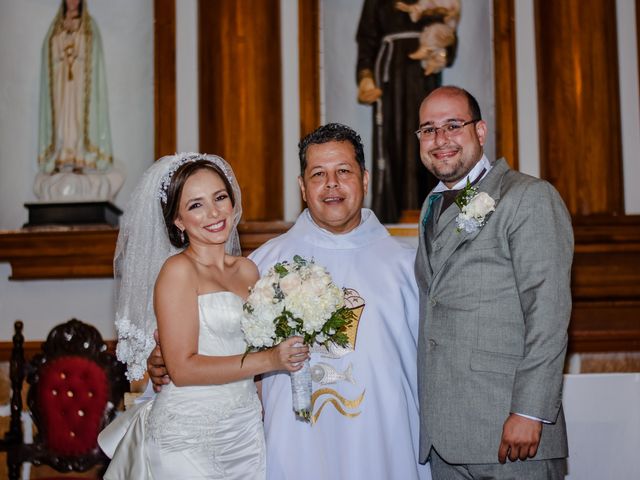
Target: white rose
column 317, row 269
column 262, row 293
column 258, row 331
column 315, row 286
column 480, row 205
column 290, row 283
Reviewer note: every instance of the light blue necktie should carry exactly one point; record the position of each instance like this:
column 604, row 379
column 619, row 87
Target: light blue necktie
column 432, row 199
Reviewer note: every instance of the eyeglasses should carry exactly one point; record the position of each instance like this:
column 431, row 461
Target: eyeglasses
column 450, row 129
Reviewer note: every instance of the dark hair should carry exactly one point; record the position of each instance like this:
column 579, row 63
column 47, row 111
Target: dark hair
column 331, row 132
column 474, row 108
column 174, row 192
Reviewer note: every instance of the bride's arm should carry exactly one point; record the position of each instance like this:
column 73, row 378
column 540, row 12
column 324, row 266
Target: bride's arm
column 176, row 307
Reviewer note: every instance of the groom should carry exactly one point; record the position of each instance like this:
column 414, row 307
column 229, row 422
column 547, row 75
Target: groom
column 365, row 399
column 494, row 306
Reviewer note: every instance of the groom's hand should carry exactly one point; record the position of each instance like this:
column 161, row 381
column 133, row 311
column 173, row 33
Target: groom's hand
column 520, row 438
column 155, row 366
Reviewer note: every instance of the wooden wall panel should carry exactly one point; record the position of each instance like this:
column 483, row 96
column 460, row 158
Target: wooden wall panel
column 605, row 284
column 578, row 98
column 309, row 59
column 505, row 81
column 164, row 76
column 241, row 97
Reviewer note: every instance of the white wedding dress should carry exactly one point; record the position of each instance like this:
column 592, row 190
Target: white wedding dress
column 212, row 432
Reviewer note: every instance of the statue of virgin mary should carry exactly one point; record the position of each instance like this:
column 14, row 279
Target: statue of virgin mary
column 74, row 154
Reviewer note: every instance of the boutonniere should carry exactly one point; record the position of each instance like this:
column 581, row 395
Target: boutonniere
column 475, row 207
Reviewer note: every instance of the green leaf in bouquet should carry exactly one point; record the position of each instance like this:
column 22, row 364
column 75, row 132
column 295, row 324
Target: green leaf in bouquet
column 278, row 294
column 299, row 261
column 340, row 339
column 281, row 269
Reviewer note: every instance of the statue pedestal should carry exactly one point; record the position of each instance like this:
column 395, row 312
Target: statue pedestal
column 68, row 198
column 64, row 187
column 72, row 213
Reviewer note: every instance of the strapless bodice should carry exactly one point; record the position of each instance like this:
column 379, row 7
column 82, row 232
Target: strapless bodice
column 187, row 409
column 220, row 332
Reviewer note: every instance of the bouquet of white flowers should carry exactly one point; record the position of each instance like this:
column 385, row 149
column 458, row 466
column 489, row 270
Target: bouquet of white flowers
column 296, row 298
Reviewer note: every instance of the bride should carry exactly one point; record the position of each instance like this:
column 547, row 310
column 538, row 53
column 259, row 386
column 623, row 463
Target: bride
column 176, row 260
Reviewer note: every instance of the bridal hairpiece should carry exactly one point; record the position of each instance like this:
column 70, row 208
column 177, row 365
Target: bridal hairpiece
column 183, row 158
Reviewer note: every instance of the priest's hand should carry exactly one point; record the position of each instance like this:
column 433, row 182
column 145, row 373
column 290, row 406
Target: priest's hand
column 368, row 92
column 520, row 438
column 155, row 366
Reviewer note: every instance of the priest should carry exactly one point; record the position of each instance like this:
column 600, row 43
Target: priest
column 364, row 397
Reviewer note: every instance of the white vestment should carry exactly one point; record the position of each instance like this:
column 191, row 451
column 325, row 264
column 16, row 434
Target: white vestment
column 365, row 402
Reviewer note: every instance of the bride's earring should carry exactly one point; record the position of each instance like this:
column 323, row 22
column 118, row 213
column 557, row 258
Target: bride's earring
column 181, row 236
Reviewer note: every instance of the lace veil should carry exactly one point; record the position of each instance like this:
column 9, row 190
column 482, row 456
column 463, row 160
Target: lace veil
column 142, row 248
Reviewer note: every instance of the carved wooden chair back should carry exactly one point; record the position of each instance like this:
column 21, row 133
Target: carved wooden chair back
column 75, row 386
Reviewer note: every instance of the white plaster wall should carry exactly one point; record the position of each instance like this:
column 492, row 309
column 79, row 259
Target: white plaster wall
column 290, row 107
column 127, row 35
column 629, row 104
column 187, row 133
column 527, row 87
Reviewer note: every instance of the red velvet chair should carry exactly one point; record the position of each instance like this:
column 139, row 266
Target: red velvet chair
column 75, row 386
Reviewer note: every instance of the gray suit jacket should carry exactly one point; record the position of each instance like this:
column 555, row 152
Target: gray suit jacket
column 495, row 307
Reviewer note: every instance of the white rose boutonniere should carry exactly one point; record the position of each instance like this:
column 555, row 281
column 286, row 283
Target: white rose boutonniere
column 474, row 209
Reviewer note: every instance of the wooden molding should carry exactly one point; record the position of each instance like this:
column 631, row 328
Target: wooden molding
column 164, row 34
column 505, row 81
column 240, row 97
column 87, row 252
column 309, row 60
column 605, row 326
column 254, row 234
column 579, row 104
column 63, row 252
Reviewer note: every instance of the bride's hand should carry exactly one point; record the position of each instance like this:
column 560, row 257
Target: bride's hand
column 290, row 354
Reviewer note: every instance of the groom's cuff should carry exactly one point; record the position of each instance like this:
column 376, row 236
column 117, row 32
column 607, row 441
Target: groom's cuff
column 532, row 418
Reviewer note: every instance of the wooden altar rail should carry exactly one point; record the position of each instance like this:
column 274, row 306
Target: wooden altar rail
column 605, row 277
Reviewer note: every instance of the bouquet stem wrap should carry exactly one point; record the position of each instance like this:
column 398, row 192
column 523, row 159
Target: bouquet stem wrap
column 301, row 391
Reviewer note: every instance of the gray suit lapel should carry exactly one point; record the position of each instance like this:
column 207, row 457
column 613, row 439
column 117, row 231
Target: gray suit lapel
column 447, row 239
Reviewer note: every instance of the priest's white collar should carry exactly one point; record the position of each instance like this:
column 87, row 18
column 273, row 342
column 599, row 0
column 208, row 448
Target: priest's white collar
column 369, row 230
